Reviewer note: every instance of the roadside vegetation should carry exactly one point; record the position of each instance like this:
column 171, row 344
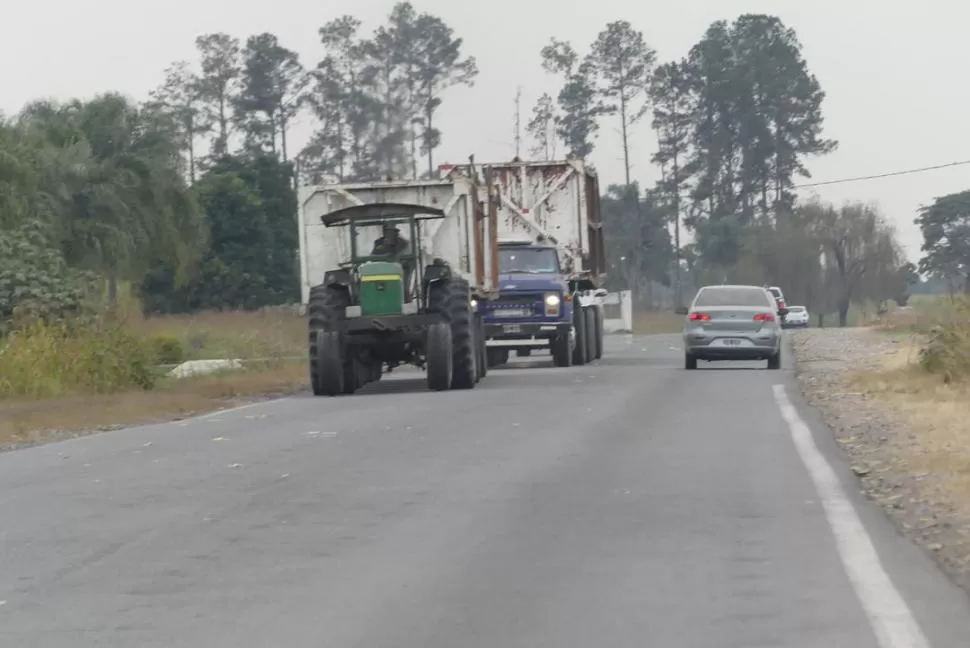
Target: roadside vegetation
column 897, row 395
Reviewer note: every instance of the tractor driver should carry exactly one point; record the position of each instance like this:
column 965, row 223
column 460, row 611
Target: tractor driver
column 390, row 243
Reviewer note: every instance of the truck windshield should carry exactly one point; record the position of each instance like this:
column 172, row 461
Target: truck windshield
column 528, row 260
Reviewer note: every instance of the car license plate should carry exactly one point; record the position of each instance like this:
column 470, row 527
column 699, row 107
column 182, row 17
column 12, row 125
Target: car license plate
column 512, row 328
column 732, row 342
column 512, row 312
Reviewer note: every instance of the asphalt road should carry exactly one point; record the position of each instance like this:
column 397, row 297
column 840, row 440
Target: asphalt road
column 624, row 504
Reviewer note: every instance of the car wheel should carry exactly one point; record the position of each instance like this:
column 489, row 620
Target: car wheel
column 774, row 362
column 690, row 362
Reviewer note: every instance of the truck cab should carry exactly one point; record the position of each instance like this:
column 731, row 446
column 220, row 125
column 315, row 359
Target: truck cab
column 534, row 308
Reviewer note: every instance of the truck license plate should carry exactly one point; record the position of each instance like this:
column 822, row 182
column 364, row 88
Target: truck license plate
column 512, row 312
column 512, row 328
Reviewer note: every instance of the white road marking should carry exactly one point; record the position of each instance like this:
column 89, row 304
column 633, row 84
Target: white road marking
column 891, row 619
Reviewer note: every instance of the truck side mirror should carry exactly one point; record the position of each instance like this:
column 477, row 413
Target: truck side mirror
column 681, row 310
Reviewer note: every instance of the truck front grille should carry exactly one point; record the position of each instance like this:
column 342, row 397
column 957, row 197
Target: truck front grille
column 517, row 305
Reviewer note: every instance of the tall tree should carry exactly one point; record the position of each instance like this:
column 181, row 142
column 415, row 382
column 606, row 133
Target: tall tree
column 386, row 57
column 219, row 83
column 542, row 127
column 439, row 65
column 579, row 102
column 945, row 225
column 180, row 98
column 403, row 23
column 272, row 92
column 345, row 82
column 673, row 116
column 861, row 249
column 622, row 63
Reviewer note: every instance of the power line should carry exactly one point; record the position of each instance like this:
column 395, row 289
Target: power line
column 884, row 175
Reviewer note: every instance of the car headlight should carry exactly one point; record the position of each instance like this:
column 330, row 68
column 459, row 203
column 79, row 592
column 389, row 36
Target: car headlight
column 552, row 300
column 474, row 304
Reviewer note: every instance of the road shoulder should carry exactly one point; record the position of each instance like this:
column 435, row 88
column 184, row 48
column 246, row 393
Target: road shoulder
column 878, row 450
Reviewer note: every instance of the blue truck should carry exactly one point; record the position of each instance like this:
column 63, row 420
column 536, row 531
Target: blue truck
column 551, row 264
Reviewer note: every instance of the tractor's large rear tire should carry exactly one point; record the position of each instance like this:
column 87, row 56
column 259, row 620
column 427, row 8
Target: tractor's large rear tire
column 580, row 355
column 463, row 346
column 331, row 371
column 438, row 356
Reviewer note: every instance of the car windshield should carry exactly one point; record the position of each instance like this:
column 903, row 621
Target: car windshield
column 776, row 292
column 528, row 260
column 731, row 296
column 796, row 309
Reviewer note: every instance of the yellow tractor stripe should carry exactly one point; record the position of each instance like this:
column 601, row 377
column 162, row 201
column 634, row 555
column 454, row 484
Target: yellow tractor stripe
column 384, row 277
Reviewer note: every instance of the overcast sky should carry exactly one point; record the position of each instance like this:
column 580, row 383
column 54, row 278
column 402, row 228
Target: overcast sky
column 894, row 72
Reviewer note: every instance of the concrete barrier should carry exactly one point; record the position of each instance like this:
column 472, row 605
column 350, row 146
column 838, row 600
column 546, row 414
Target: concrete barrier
column 618, row 312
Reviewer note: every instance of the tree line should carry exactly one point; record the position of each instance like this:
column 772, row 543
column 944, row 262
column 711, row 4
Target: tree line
column 189, row 195
column 736, row 120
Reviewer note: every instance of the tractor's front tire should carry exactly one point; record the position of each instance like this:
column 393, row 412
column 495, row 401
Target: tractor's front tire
column 331, row 372
column 438, row 356
column 326, row 363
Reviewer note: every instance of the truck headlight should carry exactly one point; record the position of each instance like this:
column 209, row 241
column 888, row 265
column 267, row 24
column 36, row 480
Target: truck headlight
column 552, row 304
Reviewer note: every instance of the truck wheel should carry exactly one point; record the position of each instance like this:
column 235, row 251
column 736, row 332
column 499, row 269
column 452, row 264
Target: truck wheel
column 562, row 355
column 326, row 363
column 579, row 324
column 598, row 320
column 437, row 352
column 462, row 339
column 482, row 354
column 590, row 333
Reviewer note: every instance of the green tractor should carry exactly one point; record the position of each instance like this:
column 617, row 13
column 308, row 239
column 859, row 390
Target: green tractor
column 390, row 308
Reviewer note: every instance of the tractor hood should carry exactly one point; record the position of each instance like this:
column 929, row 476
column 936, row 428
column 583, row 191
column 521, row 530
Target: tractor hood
column 523, row 281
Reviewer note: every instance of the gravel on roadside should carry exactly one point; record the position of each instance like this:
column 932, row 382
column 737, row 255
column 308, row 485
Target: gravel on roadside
column 878, row 443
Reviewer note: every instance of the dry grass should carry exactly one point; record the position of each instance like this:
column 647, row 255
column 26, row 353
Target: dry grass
column 269, row 333
column 28, row 421
column 934, row 416
column 921, row 314
column 654, row 322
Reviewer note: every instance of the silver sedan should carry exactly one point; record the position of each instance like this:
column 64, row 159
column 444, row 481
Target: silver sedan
column 732, row 323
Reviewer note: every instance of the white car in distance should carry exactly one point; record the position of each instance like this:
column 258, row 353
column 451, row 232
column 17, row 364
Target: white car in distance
column 797, row 317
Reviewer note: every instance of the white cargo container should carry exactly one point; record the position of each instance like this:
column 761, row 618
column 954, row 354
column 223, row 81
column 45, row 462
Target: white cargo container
column 559, row 200
column 453, row 238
